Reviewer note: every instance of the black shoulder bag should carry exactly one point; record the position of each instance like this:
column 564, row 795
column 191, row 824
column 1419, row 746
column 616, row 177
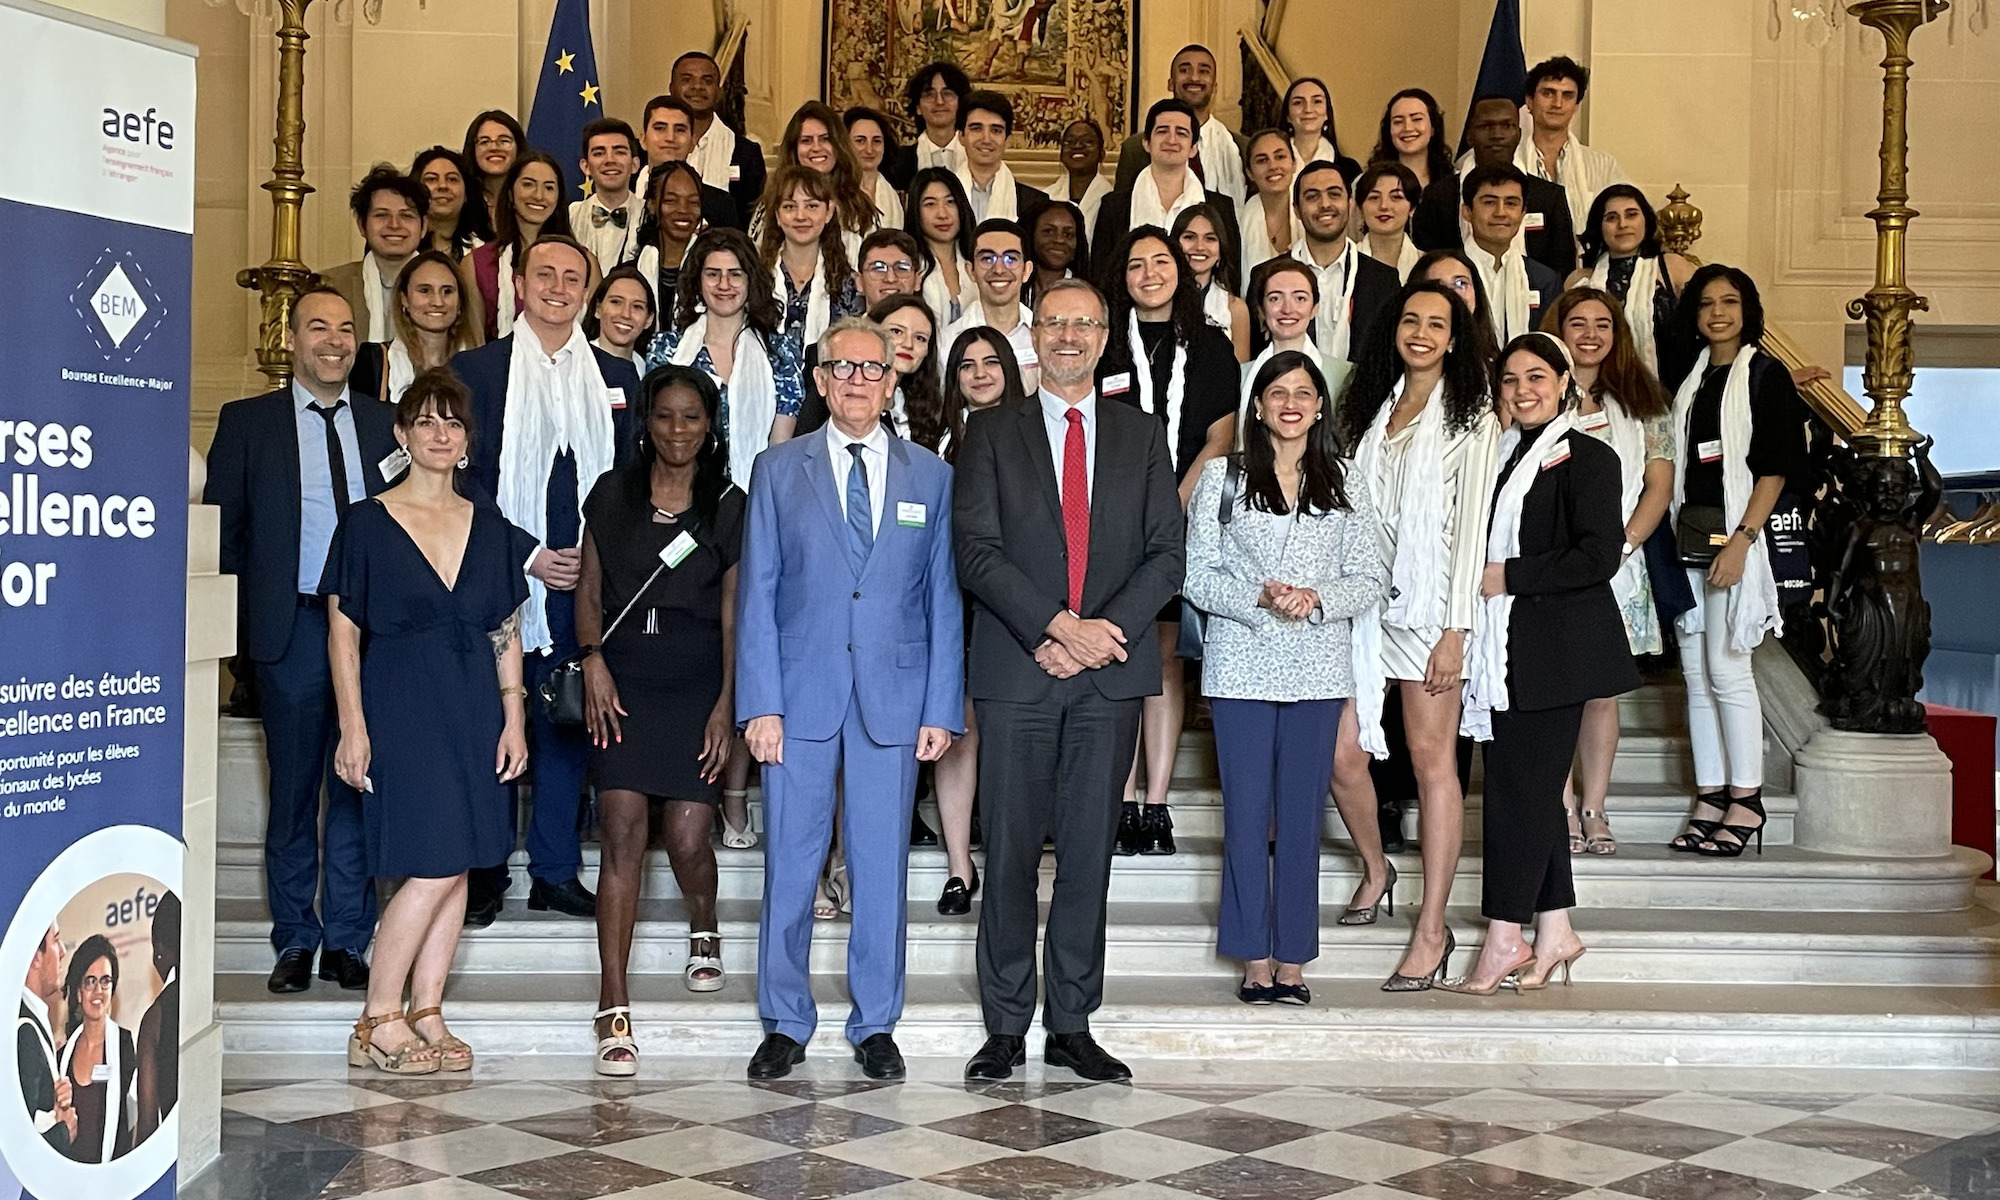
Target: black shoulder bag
column 1194, row 622
column 562, row 692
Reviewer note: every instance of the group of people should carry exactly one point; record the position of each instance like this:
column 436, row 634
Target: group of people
column 888, row 465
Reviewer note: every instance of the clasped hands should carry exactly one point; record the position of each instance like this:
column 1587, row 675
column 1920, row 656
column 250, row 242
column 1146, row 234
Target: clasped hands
column 1075, row 644
column 1289, row 603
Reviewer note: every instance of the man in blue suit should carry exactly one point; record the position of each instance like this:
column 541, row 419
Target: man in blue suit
column 551, row 414
column 283, row 469
column 850, row 649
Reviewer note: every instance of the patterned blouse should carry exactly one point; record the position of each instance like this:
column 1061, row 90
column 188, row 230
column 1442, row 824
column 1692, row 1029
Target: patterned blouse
column 786, row 370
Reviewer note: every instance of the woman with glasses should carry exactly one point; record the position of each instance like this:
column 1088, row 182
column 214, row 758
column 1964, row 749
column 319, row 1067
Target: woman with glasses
column 492, row 141
column 99, row 1058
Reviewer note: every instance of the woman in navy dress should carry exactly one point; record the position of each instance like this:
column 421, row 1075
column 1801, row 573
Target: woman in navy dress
column 431, row 712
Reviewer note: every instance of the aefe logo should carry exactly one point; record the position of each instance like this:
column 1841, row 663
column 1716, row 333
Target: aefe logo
column 147, row 130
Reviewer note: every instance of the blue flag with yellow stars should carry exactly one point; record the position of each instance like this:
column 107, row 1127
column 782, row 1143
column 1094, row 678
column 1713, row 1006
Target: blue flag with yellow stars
column 566, row 98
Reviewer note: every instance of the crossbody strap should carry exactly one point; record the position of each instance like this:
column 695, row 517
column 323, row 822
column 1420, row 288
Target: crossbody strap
column 1232, row 480
column 619, row 619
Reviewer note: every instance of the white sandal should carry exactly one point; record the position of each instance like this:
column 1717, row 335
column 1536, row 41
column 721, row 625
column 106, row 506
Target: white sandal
column 620, row 1039
column 699, row 963
column 733, row 838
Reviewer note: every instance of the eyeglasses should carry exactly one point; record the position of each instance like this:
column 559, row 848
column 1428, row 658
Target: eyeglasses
column 504, row 141
column 98, row 983
column 844, row 368
column 736, row 275
column 879, row 267
column 1062, row 325
column 1007, row 258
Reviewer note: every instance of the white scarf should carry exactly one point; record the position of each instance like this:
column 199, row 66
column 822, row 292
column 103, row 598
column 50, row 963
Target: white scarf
column 888, row 206
column 503, row 308
column 1000, row 204
column 117, row 1107
column 648, row 264
column 1142, row 381
column 380, row 328
column 1333, row 326
column 1324, row 152
column 1507, row 291
column 1149, row 209
column 1243, row 406
column 819, row 305
column 713, row 154
column 1257, row 246
column 937, row 293
column 753, row 393
column 553, row 403
column 1486, row 656
column 1417, row 600
column 1753, row 602
column 1627, row 436
column 1215, row 304
column 1091, row 200
column 1221, row 160
column 402, row 372
column 1406, row 258
column 1638, row 302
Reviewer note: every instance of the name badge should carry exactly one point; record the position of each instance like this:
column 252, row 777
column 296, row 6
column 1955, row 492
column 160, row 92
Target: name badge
column 1556, row 457
column 910, row 513
column 1535, row 223
column 101, row 1073
column 1117, row 384
column 395, row 463
column 1594, row 422
column 735, row 173
column 677, row 550
column 615, row 397
column 1710, row 451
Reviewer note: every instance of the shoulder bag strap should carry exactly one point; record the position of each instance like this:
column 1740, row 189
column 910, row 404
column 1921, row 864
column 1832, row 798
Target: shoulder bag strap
column 1232, row 480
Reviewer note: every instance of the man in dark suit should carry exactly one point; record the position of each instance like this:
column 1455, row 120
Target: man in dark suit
column 552, row 413
column 1217, row 158
column 668, row 136
column 889, row 267
column 283, row 468
column 1353, row 288
column 1069, row 542
column 1493, row 129
column 1518, row 289
column 1158, row 193
column 725, row 158
column 44, row 1089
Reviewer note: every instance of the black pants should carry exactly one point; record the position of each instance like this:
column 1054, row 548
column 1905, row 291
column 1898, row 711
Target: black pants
column 1055, row 768
column 1525, row 830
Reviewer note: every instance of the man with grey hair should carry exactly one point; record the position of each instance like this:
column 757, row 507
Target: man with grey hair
column 849, row 671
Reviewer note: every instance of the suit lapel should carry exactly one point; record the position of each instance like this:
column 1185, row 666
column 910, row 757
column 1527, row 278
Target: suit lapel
column 819, row 481
column 1107, row 483
column 895, row 490
column 288, row 465
column 1035, row 433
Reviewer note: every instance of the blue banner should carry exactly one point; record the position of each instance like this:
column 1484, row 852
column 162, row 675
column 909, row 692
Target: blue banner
column 96, row 198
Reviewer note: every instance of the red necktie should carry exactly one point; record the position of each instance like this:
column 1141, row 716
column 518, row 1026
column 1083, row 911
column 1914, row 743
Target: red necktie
column 1076, row 508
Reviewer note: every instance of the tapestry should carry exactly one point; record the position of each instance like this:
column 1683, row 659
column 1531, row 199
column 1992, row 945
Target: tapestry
column 1057, row 60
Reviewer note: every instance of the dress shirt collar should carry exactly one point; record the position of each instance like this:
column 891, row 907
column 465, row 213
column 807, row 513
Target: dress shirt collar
column 1053, row 407
column 577, row 344
column 302, row 399
column 876, row 441
column 38, row 1008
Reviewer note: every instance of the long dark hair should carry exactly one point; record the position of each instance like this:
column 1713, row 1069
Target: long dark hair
column 656, row 187
column 1187, row 316
column 923, row 402
column 1331, row 135
column 1622, row 378
column 1482, row 306
column 473, row 219
column 1683, row 341
column 1437, row 160
column 630, row 271
column 1322, row 483
column 1380, row 366
column 853, row 205
column 913, row 218
column 94, row 947
column 891, row 147
column 711, row 462
column 1592, row 233
column 497, row 117
column 1550, row 349
column 955, row 406
column 760, row 305
column 507, row 226
column 1228, row 269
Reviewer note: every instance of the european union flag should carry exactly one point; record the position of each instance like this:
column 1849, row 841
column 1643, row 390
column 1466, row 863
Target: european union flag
column 1503, row 68
column 566, row 98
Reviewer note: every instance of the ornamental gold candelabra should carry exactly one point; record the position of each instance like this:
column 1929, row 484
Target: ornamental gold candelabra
column 284, row 276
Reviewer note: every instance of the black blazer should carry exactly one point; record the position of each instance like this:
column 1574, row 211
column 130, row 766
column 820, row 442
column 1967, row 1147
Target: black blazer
column 1376, row 285
column 1011, row 557
column 1434, row 224
column 748, row 185
column 719, row 209
column 1114, row 220
column 1566, row 641
column 253, row 477
column 1547, row 286
column 34, row 1045
column 1554, row 244
column 484, row 371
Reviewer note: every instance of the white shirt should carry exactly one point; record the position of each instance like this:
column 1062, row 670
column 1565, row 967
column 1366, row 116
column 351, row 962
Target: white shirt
column 950, row 156
column 1056, row 420
column 716, row 168
column 874, row 456
column 981, row 198
column 1020, row 338
column 608, row 242
column 1583, row 172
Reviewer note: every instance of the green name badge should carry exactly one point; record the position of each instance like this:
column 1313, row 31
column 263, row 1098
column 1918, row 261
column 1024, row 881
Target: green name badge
column 910, row 513
column 678, row 549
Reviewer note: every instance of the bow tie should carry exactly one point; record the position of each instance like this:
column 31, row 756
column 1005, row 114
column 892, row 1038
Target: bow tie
column 599, row 216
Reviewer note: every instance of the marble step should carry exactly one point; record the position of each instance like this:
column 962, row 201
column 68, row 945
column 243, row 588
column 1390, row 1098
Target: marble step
column 1594, row 1023
column 1953, row 949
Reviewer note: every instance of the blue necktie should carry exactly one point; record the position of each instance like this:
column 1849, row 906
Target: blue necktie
column 860, row 512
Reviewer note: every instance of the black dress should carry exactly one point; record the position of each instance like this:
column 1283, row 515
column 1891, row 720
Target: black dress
column 429, row 687
column 666, row 656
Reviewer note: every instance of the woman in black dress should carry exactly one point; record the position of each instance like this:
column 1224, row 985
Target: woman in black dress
column 103, row 1111
column 432, row 712
column 659, row 687
column 1165, row 358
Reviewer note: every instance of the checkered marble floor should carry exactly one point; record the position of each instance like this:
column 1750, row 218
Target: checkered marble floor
column 830, row 1134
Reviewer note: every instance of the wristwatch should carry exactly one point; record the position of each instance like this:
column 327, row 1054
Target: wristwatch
column 1748, row 532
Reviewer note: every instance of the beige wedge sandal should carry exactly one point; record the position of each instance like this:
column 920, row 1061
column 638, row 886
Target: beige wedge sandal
column 417, row 1058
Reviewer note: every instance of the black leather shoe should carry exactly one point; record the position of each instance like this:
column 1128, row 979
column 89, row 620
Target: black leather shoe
column 879, row 1057
column 1081, row 1053
column 481, row 911
column 777, row 1056
column 345, row 968
column 1156, row 835
column 293, row 972
column 1131, row 830
column 1256, row 993
column 1389, row 819
column 997, row 1059
column 921, row 834
column 569, row 898
column 956, row 901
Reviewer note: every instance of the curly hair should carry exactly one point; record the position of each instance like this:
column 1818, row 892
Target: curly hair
column 1187, row 315
column 785, row 181
column 1682, row 341
column 1380, row 367
column 760, row 304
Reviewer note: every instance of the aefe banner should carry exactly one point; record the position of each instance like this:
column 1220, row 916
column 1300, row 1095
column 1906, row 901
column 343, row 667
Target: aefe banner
column 97, row 214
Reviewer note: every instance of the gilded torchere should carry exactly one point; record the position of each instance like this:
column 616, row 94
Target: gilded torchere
column 280, row 280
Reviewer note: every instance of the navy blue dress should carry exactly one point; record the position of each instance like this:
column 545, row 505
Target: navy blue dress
column 429, row 687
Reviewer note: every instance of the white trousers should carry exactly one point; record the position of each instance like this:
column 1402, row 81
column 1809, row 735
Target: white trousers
column 1725, row 720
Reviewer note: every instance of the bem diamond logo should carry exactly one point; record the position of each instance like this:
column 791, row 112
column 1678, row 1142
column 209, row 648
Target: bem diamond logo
column 119, row 305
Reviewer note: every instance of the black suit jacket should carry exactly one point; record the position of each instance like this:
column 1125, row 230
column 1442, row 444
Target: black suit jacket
column 1547, row 286
column 749, row 182
column 1376, row 286
column 1011, row 557
column 1566, row 641
column 1114, row 220
column 484, row 372
column 1554, row 244
column 719, row 209
column 38, row 1083
column 253, row 477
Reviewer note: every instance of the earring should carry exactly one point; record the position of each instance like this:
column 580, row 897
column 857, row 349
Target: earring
column 463, row 462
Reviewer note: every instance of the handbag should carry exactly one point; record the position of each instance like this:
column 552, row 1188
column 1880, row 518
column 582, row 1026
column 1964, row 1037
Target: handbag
column 1194, row 622
column 561, row 692
column 1700, row 533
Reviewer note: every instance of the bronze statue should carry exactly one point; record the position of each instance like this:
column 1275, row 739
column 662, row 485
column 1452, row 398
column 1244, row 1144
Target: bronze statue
column 1879, row 620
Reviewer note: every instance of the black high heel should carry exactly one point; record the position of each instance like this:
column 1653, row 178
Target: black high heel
column 1698, row 830
column 1366, row 916
column 1711, row 847
column 1399, row 982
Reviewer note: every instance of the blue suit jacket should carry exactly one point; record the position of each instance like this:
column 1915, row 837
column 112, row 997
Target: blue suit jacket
column 484, row 373
column 810, row 633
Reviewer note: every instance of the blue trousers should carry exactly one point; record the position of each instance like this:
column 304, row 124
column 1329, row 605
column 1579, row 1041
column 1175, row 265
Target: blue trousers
column 558, row 757
column 876, row 783
column 318, row 885
column 1275, row 758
